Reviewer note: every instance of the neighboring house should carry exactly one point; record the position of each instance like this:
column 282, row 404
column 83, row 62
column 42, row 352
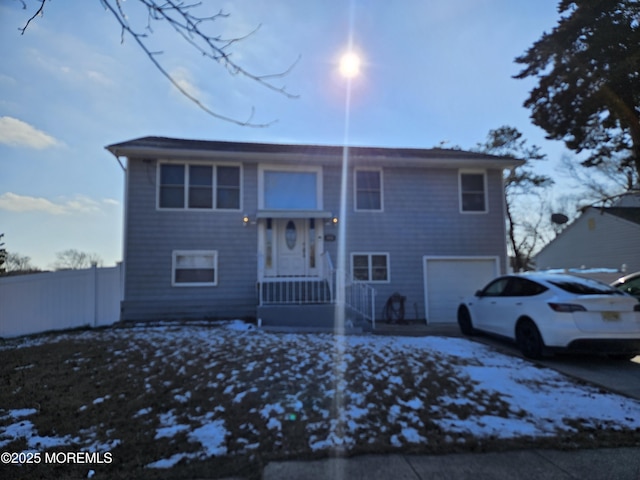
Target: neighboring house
column 226, row 230
column 598, row 238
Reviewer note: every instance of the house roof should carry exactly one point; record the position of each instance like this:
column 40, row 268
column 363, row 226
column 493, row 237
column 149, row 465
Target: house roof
column 162, row 147
column 631, row 214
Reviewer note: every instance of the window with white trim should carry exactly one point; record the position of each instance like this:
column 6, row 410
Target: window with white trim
column 370, row 267
column 199, row 186
column 289, row 187
column 194, row 268
column 368, row 189
column 473, row 192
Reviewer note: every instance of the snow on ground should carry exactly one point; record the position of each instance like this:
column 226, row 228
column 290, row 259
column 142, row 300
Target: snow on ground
column 391, row 386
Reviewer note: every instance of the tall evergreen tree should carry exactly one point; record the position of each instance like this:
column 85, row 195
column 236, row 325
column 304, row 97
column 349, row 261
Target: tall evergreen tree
column 588, row 72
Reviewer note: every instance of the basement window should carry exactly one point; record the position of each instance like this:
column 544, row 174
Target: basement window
column 194, row 268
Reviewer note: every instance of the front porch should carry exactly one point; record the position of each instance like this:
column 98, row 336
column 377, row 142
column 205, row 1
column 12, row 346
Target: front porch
column 315, row 303
column 298, row 286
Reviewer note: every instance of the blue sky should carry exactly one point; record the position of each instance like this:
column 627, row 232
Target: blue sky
column 433, row 71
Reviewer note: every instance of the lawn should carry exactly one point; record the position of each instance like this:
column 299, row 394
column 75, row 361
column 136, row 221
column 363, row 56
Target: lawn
column 183, row 401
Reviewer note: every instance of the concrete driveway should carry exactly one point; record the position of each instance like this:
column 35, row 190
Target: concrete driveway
column 614, row 375
column 620, row 376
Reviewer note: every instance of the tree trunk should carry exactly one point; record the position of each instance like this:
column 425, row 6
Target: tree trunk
column 512, row 239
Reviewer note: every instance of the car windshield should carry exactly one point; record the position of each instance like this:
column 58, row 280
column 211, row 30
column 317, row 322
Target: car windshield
column 581, row 286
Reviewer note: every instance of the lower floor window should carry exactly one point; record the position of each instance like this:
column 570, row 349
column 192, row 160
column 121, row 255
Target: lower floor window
column 195, row 268
column 370, row 267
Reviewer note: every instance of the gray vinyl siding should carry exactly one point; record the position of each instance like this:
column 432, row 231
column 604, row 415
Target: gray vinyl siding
column 595, row 240
column 152, row 236
column 421, row 216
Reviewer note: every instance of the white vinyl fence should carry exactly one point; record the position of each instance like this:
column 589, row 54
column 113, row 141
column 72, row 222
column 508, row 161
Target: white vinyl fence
column 41, row 302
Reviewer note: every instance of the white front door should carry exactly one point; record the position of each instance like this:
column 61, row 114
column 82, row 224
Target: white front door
column 292, row 245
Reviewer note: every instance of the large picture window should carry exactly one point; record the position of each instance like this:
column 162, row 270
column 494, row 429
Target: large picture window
column 370, row 267
column 297, row 188
column 368, row 190
column 473, row 192
column 199, row 187
column 194, row 268
column 290, row 190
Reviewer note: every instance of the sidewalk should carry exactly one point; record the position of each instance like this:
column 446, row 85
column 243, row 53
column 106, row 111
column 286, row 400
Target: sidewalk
column 612, row 463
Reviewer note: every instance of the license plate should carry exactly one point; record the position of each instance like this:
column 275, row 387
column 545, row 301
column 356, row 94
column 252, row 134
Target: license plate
column 610, row 316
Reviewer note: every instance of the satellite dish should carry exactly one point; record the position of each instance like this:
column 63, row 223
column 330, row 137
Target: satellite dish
column 559, row 218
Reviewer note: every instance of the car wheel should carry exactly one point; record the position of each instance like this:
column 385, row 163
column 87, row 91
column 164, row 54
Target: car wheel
column 528, row 339
column 464, row 321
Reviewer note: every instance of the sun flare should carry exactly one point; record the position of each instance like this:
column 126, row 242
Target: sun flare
column 350, row 65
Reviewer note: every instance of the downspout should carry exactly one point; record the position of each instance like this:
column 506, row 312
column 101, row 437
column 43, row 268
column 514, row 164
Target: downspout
column 123, row 265
column 119, row 162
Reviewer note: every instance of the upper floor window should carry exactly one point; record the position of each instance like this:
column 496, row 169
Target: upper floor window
column 473, row 192
column 291, row 188
column 368, row 189
column 196, row 186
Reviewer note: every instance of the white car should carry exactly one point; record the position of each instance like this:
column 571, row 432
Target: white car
column 545, row 311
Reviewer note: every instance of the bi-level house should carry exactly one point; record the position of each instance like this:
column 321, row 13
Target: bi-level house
column 234, row 230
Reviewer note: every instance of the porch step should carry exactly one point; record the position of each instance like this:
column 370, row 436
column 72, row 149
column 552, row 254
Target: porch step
column 304, row 317
column 294, row 291
column 345, row 331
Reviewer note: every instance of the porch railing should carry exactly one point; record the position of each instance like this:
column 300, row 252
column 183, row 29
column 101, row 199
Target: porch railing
column 294, row 291
column 359, row 297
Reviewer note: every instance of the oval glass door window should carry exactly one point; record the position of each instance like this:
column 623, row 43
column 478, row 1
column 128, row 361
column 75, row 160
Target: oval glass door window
column 290, row 235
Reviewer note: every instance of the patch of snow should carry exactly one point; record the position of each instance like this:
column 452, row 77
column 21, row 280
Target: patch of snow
column 24, row 367
column 170, row 462
column 143, row 411
column 239, row 326
column 37, row 442
column 182, row 398
column 15, row 431
column 170, row 431
column 412, row 435
column 274, row 424
column 212, row 437
column 100, row 400
column 21, row 412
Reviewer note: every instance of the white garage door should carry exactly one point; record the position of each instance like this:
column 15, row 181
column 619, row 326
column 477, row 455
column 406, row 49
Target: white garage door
column 449, row 280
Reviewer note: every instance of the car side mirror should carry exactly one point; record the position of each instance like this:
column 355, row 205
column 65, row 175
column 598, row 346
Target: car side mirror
column 478, row 293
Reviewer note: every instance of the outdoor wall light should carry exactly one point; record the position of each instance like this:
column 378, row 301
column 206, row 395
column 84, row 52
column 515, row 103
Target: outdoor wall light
column 245, row 220
column 334, row 220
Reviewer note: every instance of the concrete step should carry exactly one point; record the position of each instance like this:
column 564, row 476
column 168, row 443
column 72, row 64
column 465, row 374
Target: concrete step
column 304, row 316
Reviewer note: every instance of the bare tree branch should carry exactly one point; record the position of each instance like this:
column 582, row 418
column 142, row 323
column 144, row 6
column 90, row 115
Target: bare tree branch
column 38, row 12
column 181, row 16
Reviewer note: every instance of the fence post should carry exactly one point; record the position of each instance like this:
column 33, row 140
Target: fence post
column 96, row 293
